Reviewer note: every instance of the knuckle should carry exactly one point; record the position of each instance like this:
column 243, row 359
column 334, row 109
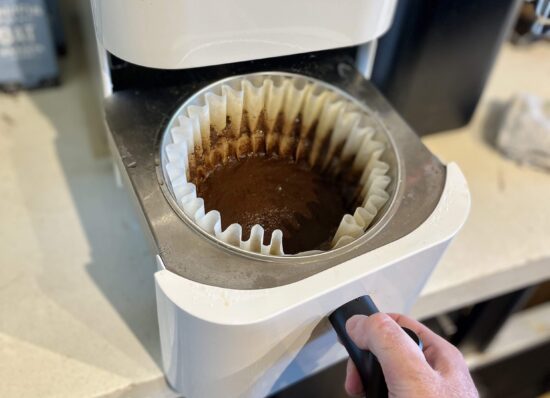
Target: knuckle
column 455, row 353
column 386, row 328
column 381, row 322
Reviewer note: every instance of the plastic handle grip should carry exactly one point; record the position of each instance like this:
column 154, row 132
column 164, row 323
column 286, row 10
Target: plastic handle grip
column 366, row 363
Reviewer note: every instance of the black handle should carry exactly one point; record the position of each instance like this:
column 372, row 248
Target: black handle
column 366, row 363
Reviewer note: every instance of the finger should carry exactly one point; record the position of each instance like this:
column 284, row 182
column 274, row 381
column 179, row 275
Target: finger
column 397, row 353
column 440, row 354
column 353, row 384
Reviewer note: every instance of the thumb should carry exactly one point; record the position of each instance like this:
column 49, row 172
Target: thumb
column 397, row 353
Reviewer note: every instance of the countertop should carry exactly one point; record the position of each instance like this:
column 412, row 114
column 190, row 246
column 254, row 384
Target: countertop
column 77, row 302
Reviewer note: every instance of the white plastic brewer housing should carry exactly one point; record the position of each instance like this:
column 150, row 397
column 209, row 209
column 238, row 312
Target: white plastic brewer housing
column 250, row 343
column 177, row 34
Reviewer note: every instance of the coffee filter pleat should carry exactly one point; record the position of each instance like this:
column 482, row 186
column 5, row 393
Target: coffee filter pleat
column 290, row 117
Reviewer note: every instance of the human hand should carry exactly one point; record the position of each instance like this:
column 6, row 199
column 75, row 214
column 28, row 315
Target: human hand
column 438, row 371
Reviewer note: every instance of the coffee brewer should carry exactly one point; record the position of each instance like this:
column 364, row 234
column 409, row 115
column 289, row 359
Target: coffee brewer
column 238, row 317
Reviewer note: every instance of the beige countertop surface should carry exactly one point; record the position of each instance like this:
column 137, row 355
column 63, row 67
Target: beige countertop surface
column 505, row 244
column 77, row 301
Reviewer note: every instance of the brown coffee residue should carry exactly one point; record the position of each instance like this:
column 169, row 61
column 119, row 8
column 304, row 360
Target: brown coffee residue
column 277, row 193
column 263, row 176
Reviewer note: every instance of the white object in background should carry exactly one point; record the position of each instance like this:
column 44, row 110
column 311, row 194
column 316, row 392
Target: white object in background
column 177, row 34
column 251, row 343
column 525, row 132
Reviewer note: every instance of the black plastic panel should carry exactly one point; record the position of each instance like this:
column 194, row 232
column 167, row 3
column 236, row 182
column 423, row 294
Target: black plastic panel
column 125, row 75
column 433, row 63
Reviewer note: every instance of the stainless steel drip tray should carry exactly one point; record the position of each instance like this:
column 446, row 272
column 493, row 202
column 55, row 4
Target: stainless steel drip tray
column 136, row 120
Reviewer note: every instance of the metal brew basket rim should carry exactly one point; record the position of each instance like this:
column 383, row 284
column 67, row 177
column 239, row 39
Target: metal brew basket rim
column 381, row 219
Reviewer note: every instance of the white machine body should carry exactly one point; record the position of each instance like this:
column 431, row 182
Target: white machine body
column 177, row 34
column 251, row 343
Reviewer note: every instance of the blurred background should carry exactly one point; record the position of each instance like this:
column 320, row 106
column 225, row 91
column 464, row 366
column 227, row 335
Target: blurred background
column 77, row 300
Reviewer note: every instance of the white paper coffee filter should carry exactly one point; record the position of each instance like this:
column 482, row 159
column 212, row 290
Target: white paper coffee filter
column 262, row 112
